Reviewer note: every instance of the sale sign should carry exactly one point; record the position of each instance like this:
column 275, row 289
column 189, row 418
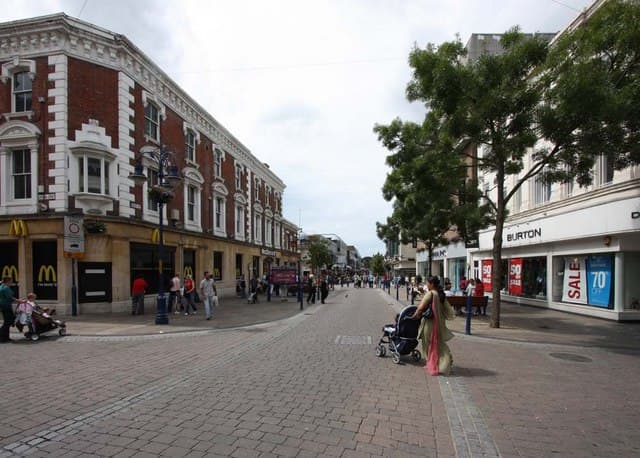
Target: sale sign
column 599, row 271
column 574, row 287
column 515, row 277
column 487, row 271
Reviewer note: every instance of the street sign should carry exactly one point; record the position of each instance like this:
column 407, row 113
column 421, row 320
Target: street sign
column 73, row 235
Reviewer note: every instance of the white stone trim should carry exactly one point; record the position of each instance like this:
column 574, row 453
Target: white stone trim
column 59, row 109
column 14, row 66
column 126, row 129
column 16, row 135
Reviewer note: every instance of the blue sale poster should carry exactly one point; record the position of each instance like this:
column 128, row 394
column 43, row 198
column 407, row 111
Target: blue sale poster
column 599, row 280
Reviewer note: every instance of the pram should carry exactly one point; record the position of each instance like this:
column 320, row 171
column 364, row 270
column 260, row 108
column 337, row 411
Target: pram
column 42, row 322
column 401, row 338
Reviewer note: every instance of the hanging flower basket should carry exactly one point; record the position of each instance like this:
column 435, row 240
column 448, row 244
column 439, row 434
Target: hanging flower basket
column 95, row 227
column 160, row 194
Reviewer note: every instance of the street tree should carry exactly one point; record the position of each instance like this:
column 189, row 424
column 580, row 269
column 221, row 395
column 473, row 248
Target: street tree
column 319, row 254
column 537, row 110
column 377, row 266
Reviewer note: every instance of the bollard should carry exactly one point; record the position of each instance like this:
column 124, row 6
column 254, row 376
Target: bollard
column 467, row 328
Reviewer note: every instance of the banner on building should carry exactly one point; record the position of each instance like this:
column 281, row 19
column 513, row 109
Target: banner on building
column 45, row 265
column 487, row 272
column 284, row 275
column 574, row 288
column 599, row 270
column 515, row 277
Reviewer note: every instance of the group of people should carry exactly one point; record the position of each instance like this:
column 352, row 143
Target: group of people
column 312, row 286
column 183, row 296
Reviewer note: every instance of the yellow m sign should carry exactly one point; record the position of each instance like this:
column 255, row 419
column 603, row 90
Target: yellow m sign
column 10, row 271
column 18, row 228
column 188, row 271
column 155, row 236
column 47, row 274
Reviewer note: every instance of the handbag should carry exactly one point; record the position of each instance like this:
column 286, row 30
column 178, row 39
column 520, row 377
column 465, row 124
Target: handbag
column 428, row 313
column 196, row 297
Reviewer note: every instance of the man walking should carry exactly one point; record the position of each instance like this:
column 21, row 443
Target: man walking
column 208, row 293
column 174, row 294
column 6, row 304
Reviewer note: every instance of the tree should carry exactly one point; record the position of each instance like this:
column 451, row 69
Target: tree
column 319, row 253
column 377, row 264
column 560, row 108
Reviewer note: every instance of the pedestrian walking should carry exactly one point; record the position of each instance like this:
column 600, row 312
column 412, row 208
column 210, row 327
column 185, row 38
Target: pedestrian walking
column 6, row 304
column 138, row 290
column 208, row 294
column 312, row 289
column 188, row 296
column 174, row 294
column 324, row 290
column 433, row 331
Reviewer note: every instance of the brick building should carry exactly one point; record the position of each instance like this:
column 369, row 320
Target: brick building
column 79, row 105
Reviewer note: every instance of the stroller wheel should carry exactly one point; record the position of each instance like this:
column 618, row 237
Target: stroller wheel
column 380, row 350
column 34, row 337
column 396, row 358
column 62, row 331
column 417, row 356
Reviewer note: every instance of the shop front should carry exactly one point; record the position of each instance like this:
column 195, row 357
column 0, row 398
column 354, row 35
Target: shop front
column 571, row 262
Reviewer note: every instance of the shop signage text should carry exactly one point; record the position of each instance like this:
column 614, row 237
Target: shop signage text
column 266, row 252
column 635, row 215
column 440, row 253
column 524, row 235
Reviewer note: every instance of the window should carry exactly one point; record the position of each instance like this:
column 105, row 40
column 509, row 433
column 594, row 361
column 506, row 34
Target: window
column 22, row 91
column 219, row 214
column 266, row 195
column 240, row 222
column 217, row 164
column 93, row 175
column 217, row 265
column 190, row 146
column 152, row 122
column 152, row 180
column 238, row 265
column 257, row 228
column 21, row 174
column 605, row 170
column 257, row 189
column 268, row 231
column 191, row 203
column 238, row 177
column 542, row 190
column 277, row 235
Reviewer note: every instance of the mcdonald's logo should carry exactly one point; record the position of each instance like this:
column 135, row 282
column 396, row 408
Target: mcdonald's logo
column 18, row 228
column 155, row 236
column 188, row 271
column 10, row 271
column 47, row 274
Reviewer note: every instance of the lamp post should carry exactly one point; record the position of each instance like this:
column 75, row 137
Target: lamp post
column 162, row 193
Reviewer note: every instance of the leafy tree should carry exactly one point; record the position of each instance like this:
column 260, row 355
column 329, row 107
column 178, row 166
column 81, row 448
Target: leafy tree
column 319, row 253
column 377, row 266
column 535, row 110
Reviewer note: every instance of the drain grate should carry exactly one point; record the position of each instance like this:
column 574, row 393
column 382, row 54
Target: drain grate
column 571, row 357
column 353, row 340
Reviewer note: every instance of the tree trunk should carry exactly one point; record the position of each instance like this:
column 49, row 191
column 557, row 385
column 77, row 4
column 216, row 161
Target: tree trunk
column 496, row 271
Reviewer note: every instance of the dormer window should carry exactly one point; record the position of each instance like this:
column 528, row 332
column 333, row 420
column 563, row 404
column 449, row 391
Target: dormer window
column 22, row 91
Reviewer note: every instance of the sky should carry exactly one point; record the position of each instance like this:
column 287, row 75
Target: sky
column 303, row 83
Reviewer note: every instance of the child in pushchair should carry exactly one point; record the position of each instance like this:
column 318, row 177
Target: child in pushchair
column 401, row 337
column 38, row 320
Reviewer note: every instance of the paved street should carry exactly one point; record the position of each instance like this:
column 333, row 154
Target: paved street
column 310, row 385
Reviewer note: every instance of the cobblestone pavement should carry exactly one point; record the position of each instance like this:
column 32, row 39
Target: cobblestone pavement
column 310, row 385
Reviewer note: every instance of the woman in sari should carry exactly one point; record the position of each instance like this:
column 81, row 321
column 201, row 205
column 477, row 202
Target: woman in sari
column 433, row 332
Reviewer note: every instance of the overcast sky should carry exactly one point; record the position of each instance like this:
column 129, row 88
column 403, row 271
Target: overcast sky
column 302, row 83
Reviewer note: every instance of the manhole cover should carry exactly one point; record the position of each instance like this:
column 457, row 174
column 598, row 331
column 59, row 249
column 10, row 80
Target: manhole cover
column 571, row 357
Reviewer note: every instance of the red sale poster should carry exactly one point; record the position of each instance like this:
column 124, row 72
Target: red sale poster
column 515, row 277
column 487, row 268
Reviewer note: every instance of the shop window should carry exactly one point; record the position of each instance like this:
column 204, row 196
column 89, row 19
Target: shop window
column 238, row 265
column 144, row 262
column 217, row 265
column 525, row 277
column 584, row 279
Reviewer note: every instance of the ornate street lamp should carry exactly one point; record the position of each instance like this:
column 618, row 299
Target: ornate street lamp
column 161, row 192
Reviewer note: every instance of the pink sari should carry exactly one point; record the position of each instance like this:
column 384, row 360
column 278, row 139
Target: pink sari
column 433, row 359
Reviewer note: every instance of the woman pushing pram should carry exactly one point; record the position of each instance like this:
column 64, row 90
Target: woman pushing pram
column 37, row 320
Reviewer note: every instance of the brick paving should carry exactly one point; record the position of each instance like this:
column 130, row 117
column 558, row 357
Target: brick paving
column 309, row 384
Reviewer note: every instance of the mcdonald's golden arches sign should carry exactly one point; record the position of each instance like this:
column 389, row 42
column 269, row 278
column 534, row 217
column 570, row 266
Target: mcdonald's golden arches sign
column 18, row 228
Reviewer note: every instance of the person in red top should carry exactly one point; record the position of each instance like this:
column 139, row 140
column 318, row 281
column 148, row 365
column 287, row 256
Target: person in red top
column 188, row 299
column 138, row 289
column 479, row 291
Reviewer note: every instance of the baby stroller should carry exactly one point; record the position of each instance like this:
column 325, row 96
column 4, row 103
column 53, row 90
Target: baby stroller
column 402, row 337
column 42, row 322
